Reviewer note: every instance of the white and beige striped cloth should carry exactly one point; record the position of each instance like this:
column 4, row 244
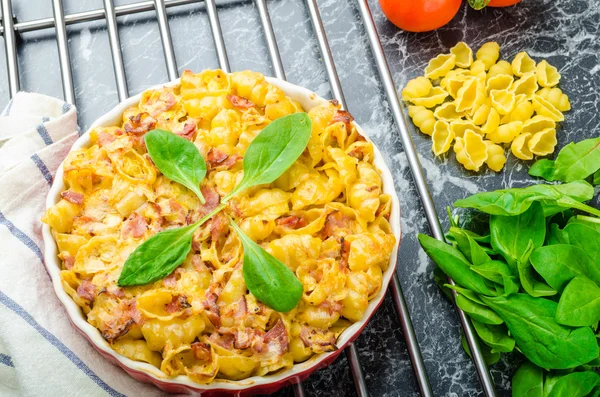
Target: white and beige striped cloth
column 40, row 352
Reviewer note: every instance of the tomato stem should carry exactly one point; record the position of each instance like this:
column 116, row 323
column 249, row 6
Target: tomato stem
column 478, row 4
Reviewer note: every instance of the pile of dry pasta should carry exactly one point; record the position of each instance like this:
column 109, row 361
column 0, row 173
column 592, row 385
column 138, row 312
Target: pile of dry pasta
column 492, row 105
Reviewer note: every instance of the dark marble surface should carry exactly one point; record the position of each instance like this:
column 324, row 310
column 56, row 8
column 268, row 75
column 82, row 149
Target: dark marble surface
column 567, row 33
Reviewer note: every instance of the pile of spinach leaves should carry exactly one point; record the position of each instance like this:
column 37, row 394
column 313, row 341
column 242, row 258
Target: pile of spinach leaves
column 531, row 283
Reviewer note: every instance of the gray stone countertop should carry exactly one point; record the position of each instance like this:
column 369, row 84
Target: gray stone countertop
column 566, row 33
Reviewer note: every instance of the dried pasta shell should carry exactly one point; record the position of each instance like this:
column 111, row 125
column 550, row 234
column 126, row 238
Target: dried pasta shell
column 442, row 138
column 522, row 64
column 458, row 127
column 522, row 112
column 467, row 95
column 416, row 88
column 454, row 84
column 478, row 69
column 495, row 156
column 526, row 85
column 547, row 75
column 480, row 115
column 492, row 122
column 545, row 108
column 502, row 100
column 519, row 147
column 499, row 82
column 448, row 112
column 537, row 123
column 500, row 68
column 454, row 74
column 434, row 97
column 440, row 65
column 543, row 143
column 506, row 133
column 488, row 54
column 556, row 97
column 423, row 118
column 463, row 53
column 471, row 151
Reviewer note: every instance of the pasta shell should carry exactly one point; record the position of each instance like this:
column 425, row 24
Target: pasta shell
column 448, row 112
column 454, row 84
column 547, row 75
column 98, row 255
column 440, row 65
column 519, row 147
column 545, row 108
column 458, row 127
column 556, row 97
column 463, row 53
column 537, row 124
column 499, row 82
column 543, row 143
column 503, row 101
column 522, row 64
column 505, row 133
column 526, row 85
column 478, row 69
column 471, row 151
column 480, row 115
column 488, row 54
column 523, row 110
column 434, row 97
column 467, row 95
column 492, row 122
column 423, row 118
column 500, row 68
column 416, row 88
column 441, row 138
column 495, row 156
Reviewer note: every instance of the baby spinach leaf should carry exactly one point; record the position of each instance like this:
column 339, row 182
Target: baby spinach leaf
column 560, row 263
column 490, row 357
column 500, row 273
column 531, row 322
column 588, row 221
column 478, row 312
column 556, row 235
column 469, row 247
column 578, row 160
column 510, row 235
column 528, row 279
column 455, row 265
column 274, row 150
column 177, row 158
column 515, row 201
column 269, row 280
column 528, row 381
column 441, row 279
column 157, row 257
column 575, row 384
column 543, row 168
column 467, row 293
column 495, row 336
column 579, row 304
column 596, row 178
column 586, row 238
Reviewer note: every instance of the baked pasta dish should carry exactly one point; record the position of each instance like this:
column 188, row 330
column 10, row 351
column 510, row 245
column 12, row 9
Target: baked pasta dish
column 325, row 218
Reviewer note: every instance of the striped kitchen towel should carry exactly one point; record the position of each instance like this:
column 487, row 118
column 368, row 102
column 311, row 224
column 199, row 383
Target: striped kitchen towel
column 40, row 352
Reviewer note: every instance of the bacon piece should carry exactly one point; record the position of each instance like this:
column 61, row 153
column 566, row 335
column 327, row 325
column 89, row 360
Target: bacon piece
column 217, row 158
column 240, row 102
column 344, row 117
column 212, row 199
column 158, row 104
column 125, row 316
column 136, row 226
column 72, row 197
column 210, row 304
column 226, row 341
column 276, row 341
column 318, row 340
column 331, row 306
column 113, row 290
column 219, row 227
column 292, row 222
column 104, row 138
column 336, row 224
column 201, row 351
column 87, row 290
column 140, row 123
column 189, row 131
column 345, row 253
column 249, row 337
column 68, row 259
column 178, row 303
column 199, row 264
column 171, row 279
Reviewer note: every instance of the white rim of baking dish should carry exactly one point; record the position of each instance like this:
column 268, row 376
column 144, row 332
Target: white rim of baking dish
column 308, row 100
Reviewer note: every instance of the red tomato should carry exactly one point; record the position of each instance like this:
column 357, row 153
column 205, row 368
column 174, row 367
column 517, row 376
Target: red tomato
column 420, row 15
column 502, row 3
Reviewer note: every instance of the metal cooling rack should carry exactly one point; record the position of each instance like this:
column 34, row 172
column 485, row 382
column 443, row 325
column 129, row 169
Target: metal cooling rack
column 10, row 28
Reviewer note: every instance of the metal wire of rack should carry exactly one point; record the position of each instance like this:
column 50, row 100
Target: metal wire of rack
column 9, row 29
